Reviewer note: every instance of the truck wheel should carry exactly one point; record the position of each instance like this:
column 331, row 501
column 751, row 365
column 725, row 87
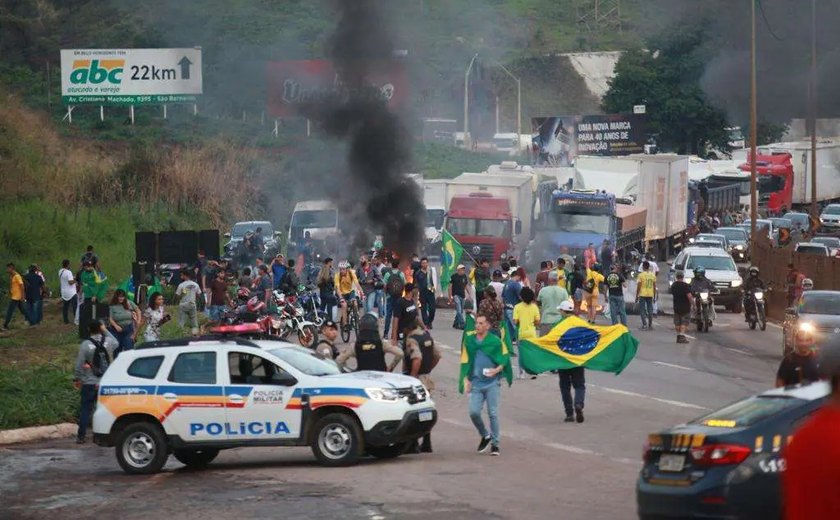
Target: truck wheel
column 338, row 440
column 387, row 452
column 141, row 449
column 195, row 458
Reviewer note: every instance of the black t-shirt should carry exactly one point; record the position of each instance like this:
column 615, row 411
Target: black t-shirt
column 406, row 313
column 34, row 287
column 459, row 285
column 680, row 291
column 796, row 369
column 614, row 284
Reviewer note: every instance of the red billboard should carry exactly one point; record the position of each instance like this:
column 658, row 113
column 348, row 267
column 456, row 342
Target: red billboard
column 293, row 84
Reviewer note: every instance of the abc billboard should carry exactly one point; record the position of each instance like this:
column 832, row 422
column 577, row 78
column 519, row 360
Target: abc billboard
column 294, row 84
column 130, row 76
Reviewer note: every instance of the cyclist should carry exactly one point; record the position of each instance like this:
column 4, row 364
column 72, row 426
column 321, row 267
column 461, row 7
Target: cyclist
column 348, row 290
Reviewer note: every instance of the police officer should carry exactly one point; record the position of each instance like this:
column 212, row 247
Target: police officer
column 370, row 349
column 326, row 345
column 420, row 358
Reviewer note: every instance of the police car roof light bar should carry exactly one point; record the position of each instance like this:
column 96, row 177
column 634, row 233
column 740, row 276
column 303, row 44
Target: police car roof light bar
column 184, row 342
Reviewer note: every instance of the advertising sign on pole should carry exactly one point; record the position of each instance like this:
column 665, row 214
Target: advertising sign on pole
column 294, row 84
column 130, row 76
column 558, row 140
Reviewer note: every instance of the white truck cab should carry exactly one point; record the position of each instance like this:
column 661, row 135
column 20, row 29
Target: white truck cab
column 194, row 397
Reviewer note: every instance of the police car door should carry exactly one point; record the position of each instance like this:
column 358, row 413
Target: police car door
column 192, row 397
column 259, row 399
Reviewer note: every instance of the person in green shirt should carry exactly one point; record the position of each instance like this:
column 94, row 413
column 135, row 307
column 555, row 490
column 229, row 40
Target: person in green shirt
column 549, row 299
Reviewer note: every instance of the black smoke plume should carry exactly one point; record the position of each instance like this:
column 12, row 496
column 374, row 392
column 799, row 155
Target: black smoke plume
column 379, row 147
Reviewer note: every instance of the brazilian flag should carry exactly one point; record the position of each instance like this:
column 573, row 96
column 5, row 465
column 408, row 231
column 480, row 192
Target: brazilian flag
column 498, row 351
column 574, row 343
column 451, row 252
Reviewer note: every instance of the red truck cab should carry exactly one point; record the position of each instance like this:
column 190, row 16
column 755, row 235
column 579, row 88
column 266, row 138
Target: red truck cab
column 775, row 181
column 482, row 223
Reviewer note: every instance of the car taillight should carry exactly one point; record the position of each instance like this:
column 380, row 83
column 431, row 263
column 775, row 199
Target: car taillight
column 719, row 454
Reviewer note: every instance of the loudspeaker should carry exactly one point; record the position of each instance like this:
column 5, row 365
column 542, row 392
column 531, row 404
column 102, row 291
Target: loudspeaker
column 145, row 246
column 139, row 270
column 177, row 247
column 208, row 240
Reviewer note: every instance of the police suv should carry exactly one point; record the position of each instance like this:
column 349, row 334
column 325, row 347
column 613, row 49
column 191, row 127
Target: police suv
column 194, row 397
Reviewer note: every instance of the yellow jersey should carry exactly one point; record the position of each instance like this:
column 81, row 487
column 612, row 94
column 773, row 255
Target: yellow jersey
column 346, row 283
column 647, row 284
column 16, row 287
column 527, row 315
column 597, row 277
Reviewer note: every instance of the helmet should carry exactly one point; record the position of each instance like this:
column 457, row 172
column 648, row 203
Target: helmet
column 596, row 267
column 807, row 284
column 566, row 306
column 255, row 305
column 369, row 321
column 243, row 293
column 343, row 264
column 699, row 271
column 753, row 271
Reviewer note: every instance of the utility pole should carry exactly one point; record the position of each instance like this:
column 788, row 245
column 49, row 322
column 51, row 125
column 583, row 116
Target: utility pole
column 813, row 103
column 518, row 105
column 753, row 132
column 467, row 140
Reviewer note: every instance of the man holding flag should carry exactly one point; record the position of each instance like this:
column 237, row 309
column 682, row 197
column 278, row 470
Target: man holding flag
column 484, row 360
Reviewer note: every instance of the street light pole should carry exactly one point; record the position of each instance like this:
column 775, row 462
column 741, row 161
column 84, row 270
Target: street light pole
column 813, row 103
column 467, row 142
column 518, row 105
column 753, row 132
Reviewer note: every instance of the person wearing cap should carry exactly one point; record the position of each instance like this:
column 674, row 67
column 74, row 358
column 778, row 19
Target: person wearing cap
column 85, row 378
column 549, row 299
column 458, row 293
column 420, row 357
column 370, row 349
column 812, row 457
column 800, row 365
column 326, row 344
column 571, row 377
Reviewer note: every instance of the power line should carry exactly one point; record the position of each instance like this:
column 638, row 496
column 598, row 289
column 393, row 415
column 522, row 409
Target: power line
column 767, row 23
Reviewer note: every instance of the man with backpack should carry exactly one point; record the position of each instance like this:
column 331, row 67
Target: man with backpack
column 394, row 280
column 289, row 282
column 95, row 354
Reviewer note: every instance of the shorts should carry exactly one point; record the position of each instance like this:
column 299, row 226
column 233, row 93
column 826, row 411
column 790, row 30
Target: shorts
column 349, row 297
column 682, row 320
column 578, row 296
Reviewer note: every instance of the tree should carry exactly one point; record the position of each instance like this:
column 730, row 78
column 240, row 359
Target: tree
column 666, row 78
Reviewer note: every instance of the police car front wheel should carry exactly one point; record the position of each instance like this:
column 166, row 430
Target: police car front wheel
column 338, row 440
column 141, row 448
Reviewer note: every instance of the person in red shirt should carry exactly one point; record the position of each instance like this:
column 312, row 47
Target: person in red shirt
column 812, row 477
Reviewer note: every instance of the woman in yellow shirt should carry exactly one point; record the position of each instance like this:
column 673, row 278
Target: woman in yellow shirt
column 590, row 290
column 526, row 316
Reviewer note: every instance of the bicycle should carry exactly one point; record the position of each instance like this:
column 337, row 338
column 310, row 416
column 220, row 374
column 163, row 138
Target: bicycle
column 353, row 317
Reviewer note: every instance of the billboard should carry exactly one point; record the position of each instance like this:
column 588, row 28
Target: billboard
column 556, row 141
column 293, row 84
column 130, row 76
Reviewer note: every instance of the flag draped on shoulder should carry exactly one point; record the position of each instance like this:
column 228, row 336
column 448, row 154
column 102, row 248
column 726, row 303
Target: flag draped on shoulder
column 574, row 343
column 451, row 251
column 492, row 346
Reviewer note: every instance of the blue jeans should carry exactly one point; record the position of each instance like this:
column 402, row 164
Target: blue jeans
column 376, row 299
column 10, row 311
column 572, row 377
column 490, row 395
column 460, row 322
column 389, row 312
column 124, row 338
column 88, row 403
column 646, row 310
column 511, row 325
column 617, row 311
column 216, row 312
column 68, row 306
column 35, row 310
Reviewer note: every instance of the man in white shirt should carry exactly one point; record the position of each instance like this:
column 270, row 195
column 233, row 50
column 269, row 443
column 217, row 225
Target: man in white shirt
column 497, row 284
column 188, row 292
column 69, row 298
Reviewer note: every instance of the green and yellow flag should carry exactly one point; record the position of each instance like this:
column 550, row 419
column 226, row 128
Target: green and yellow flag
column 496, row 349
column 574, row 343
column 450, row 255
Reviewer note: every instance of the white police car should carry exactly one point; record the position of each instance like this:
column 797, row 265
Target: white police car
column 194, row 397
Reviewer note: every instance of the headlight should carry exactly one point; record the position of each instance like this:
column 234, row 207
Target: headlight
column 806, row 327
column 739, row 247
column 759, row 295
column 687, row 280
column 704, row 295
column 383, row 395
column 737, row 283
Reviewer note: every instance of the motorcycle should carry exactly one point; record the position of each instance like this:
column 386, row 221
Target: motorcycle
column 310, row 302
column 754, row 309
column 291, row 319
column 704, row 310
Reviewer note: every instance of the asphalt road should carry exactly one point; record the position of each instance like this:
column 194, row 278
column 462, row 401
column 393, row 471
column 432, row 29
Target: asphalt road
column 548, row 468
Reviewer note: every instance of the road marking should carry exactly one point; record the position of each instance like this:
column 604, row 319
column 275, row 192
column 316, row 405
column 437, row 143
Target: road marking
column 680, row 367
column 571, row 449
column 775, row 325
column 723, row 324
column 738, row 351
column 445, row 347
column 650, row 397
column 689, row 337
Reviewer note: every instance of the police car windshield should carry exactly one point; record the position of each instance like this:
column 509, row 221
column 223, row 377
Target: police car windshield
column 306, row 361
column 748, row 412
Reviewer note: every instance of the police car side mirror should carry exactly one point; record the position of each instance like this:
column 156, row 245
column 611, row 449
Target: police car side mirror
column 283, row 379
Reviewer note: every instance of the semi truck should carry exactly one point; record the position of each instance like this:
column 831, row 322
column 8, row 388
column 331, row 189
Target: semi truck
column 573, row 219
column 784, row 174
column 658, row 183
